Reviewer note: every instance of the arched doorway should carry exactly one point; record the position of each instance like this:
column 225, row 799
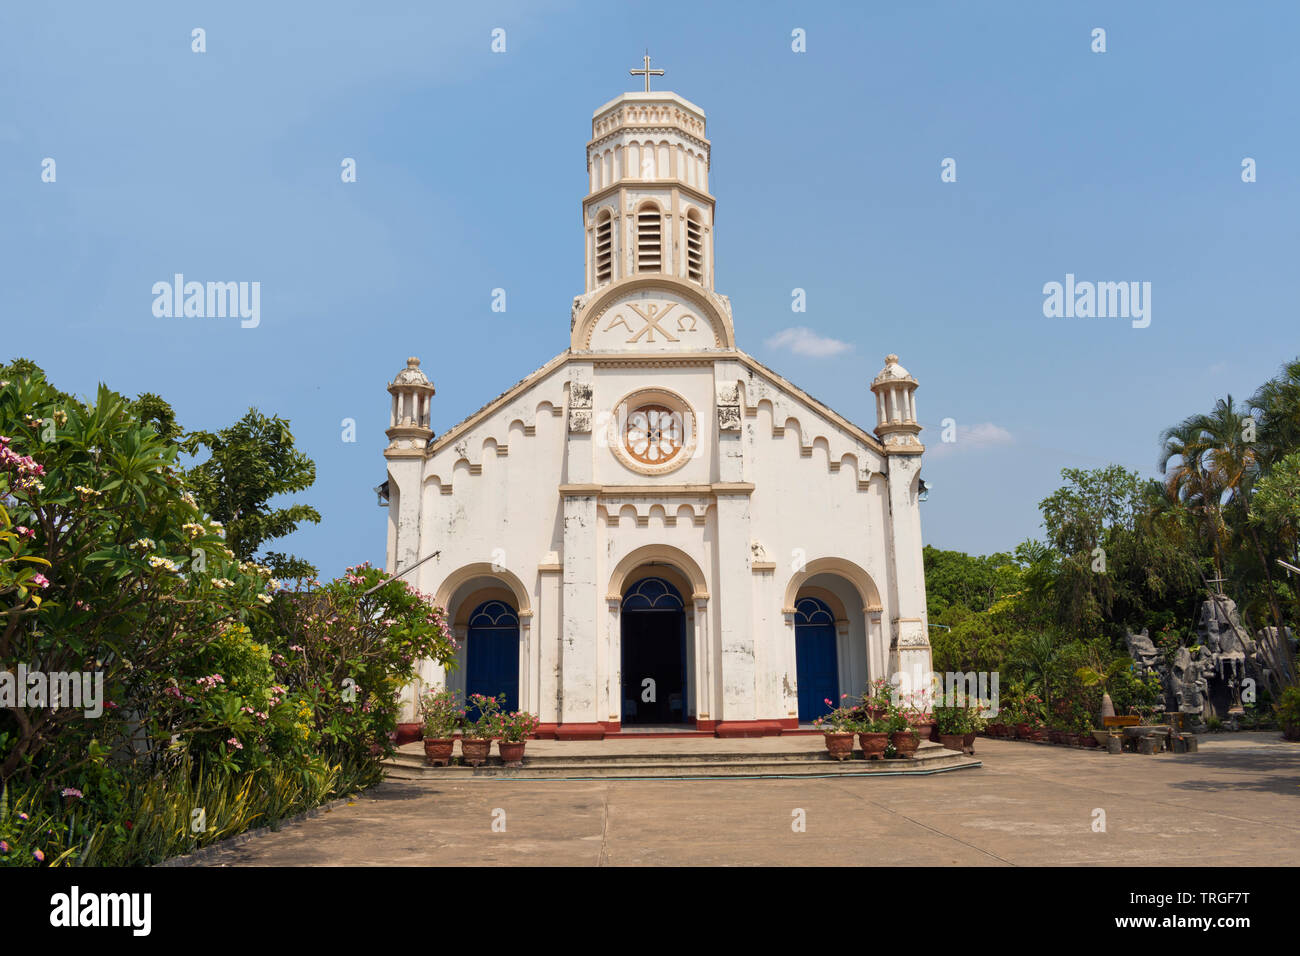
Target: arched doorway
column 816, row 658
column 653, row 641
column 492, row 652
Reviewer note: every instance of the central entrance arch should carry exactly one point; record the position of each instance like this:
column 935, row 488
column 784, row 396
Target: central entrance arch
column 653, row 641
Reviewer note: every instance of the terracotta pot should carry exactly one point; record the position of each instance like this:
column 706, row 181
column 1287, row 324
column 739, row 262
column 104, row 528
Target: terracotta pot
column 409, row 733
column 1022, row 731
column 839, row 746
column 1069, row 739
column 474, row 750
column 925, row 729
column 905, row 742
column 968, row 743
column 1087, row 740
column 952, row 742
column 873, row 745
column 437, row 750
column 1054, row 736
column 512, row 752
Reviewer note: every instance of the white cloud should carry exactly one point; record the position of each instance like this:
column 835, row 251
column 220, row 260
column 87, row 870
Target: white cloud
column 976, row 437
column 804, row 341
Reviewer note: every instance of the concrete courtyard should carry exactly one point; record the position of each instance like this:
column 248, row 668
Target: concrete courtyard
column 1234, row 803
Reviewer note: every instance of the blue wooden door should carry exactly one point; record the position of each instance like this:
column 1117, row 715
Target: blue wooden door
column 816, row 658
column 492, row 653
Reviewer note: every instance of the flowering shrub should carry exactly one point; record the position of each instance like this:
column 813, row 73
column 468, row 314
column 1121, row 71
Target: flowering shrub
column 439, row 713
column 127, row 587
column 516, row 726
column 348, row 648
column 219, row 689
column 841, row 720
column 480, row 718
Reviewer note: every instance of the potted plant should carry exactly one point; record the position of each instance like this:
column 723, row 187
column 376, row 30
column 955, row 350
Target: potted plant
column 837, row 729
column 476, row 742
column 952, row 723
column 439, row 715
column 514, row 728
column 917, row 708
column 902, row 738
column 873, row 733
column 977, row 723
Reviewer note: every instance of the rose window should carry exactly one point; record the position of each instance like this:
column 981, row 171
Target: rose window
column 654, row 434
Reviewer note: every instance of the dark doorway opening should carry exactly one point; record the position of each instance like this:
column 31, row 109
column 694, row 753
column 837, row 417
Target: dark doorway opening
column 492, row 655
column 654, row 654
column 816, row 659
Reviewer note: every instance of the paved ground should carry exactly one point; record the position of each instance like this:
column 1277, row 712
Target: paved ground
column 1234, row 803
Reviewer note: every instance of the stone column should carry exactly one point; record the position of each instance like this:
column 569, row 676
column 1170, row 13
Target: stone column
column 910, row 650
column 611, row 705
column 705, row 685
column 547, row 635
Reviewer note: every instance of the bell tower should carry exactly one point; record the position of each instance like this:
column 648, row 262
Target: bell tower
column 648, row 209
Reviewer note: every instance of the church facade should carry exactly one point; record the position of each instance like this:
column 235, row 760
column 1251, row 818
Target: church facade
column 654, row 529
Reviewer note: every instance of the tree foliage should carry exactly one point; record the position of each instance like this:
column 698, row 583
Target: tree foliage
column 250, row 463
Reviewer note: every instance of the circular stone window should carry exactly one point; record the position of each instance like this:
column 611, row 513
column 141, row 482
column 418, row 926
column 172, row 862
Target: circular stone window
column 653, row 431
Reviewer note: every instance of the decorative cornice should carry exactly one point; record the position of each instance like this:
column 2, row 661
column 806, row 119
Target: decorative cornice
column 635, row 130
column 621, row 184
column 658, row 491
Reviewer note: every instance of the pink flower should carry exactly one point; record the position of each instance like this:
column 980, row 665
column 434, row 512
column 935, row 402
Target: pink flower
column 235, row 743
column 40, row 580
column 40, row 857
column 4, row 847
column 71, row 792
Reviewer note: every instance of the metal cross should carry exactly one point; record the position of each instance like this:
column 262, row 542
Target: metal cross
column 646, row 72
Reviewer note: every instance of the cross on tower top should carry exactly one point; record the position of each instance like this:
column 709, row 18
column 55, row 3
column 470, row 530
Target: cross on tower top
column 646, row 71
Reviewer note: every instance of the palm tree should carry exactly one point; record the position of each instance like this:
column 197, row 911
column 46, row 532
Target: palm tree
column 1035, row 661
column 1219, row 462
column 1277, row 407
column 1191, row 480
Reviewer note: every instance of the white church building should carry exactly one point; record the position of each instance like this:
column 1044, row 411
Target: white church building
column 655, row 530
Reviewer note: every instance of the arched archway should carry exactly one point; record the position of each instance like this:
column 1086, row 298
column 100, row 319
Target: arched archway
column 840, row 567
column 477, row 598
column 686, row 579
column 484, row 569
column 652, row 554
column 851, row 641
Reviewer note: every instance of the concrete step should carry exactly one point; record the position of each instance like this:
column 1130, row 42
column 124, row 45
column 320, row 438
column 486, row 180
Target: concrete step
column 612, row 757
column 932, row 759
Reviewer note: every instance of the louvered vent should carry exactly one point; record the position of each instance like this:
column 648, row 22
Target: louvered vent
column 694, row 249
column 604, row 250
column 649, row 247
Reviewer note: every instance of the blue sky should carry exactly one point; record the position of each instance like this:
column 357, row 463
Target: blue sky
column 1115, row 166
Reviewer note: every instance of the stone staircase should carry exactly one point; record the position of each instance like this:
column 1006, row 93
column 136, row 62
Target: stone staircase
column 609, row 764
